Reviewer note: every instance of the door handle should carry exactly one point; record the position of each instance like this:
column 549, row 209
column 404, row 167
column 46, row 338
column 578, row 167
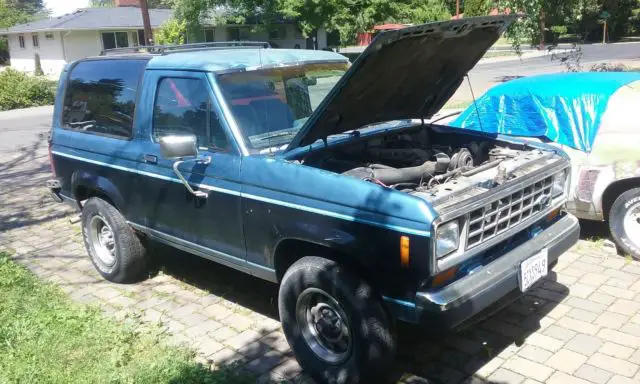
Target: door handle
column 151, row 159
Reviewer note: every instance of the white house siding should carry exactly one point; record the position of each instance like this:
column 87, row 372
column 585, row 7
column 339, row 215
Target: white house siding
column 80, row 44
column 50, row 52
column 292, row 38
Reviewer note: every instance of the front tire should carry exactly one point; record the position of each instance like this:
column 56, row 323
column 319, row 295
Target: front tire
column 115, row 250
column 624, row 222
column 335, row 323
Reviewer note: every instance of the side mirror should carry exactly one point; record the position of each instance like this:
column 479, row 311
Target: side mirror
column 176, row 147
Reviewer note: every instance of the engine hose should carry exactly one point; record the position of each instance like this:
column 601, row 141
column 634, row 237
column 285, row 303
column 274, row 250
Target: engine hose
column 482, row 167
column 400, row 175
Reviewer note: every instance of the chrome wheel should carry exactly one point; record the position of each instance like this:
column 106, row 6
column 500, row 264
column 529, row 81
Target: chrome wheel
column 102, row 240
column 324, row 325
column 631, row 224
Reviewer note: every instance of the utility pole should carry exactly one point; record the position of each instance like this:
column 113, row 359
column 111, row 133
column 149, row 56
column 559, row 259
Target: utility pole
column 148, row 33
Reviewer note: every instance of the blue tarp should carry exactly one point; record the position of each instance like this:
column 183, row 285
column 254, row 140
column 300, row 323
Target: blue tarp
column 565, row 108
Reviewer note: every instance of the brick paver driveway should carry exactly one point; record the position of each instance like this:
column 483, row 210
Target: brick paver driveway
column 582, row 325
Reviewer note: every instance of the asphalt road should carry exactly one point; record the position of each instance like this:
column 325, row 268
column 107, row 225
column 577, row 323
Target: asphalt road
column 22, row 128
column 485, row 75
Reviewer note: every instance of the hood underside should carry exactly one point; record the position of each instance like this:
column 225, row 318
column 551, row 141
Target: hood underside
column 404, row 74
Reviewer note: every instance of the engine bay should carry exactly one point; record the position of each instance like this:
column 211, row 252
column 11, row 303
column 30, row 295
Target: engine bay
column 432, row 166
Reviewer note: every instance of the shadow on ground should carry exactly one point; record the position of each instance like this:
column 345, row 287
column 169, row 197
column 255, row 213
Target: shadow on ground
column 423, row 356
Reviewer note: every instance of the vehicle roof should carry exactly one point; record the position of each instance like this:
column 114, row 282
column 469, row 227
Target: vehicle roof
column 240, row 58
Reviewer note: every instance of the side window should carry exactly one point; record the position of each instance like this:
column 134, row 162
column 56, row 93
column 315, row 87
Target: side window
column 101, row 97
column 183, row 106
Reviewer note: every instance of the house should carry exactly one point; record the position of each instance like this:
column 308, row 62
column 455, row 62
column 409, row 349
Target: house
column 89, row 31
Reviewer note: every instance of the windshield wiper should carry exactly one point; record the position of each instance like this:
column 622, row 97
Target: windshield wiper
column 278, row 134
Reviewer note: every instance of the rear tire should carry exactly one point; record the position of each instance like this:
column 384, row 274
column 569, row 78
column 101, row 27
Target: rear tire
column 335, row 323
column 115, row 250
column 624, row 222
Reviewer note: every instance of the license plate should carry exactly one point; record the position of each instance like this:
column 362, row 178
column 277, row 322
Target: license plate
column 533, row 269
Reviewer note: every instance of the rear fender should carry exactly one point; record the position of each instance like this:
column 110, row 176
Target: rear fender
column 86, row 184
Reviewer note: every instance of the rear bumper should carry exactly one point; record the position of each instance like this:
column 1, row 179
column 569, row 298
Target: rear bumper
column 495, row 285
column 54, row 188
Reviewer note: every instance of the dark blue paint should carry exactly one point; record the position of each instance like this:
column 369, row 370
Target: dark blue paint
column 256, row 204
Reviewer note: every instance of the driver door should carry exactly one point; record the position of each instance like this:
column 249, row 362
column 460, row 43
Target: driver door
column 183, row 104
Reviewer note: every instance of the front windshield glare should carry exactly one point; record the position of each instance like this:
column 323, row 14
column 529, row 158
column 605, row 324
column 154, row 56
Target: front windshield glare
column 270, row 106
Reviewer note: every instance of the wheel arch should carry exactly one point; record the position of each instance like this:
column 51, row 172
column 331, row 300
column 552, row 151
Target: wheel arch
column 86, row 185
column 614, row 190
column 290, row 250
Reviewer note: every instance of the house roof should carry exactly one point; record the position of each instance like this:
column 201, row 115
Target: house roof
column 244, row 58
column 94, row 18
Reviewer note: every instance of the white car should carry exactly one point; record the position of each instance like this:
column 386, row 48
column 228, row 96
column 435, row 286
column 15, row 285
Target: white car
column 595, row 119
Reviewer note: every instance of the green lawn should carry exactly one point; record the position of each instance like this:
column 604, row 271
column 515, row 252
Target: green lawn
column 46, row 338
column 457, row 104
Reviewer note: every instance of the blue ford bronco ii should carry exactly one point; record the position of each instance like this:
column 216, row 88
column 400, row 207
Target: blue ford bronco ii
column 331, row 180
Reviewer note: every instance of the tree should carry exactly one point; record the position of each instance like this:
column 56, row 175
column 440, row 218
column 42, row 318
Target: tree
column 423, row 11
column 12, row 13
column 350, row 17
column 476, row 8
column 527, row 27
column 171, row 32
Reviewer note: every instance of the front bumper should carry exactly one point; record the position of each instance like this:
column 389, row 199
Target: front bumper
column 495, row 283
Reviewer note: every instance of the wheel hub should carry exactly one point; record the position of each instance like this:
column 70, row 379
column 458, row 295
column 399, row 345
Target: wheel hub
column 327, row 322
column 631, row 224
column 324, row 325
column 102, row 240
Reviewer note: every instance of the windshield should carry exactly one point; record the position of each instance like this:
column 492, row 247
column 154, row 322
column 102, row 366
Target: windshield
column 271, row 105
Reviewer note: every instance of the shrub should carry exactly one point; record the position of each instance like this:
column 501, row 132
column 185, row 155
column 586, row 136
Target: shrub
column 20, row 90
column 171, row 32
column 608, row 67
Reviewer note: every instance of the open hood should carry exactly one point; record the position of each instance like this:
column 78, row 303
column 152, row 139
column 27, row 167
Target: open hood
column 404, row 74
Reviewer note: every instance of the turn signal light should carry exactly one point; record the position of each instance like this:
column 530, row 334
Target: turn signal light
column 404, row 251
column 444, row 277
column 552, row 215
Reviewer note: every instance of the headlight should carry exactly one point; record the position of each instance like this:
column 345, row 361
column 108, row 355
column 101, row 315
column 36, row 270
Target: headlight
column 447, row 238
column 559, row 184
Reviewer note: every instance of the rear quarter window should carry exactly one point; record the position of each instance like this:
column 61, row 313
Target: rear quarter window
column 100, row 97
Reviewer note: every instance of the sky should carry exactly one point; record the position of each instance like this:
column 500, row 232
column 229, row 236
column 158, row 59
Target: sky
column 60, row 7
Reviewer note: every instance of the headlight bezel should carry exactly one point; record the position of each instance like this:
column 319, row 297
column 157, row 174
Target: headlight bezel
column 449, row 228
column 560, row 184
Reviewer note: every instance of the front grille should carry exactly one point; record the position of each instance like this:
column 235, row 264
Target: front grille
column 500, row 215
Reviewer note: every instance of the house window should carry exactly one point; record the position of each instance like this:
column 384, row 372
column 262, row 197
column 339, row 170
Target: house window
column 21, row 41
column 239, row 33
column 48, row 35
column 141, row 39
column 278, row 33
column 112, row 40
column 209, row 35
column 36, row 40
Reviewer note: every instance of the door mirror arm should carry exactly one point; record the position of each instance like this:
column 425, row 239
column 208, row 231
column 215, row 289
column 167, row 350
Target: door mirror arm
column 201, row 160
column 179, row 148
